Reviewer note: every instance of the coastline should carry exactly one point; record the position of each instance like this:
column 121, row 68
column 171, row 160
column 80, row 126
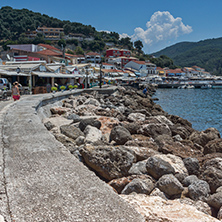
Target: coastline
column 136, row 147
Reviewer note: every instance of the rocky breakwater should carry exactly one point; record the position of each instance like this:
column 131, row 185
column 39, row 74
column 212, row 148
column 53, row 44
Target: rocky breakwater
column 153, row 160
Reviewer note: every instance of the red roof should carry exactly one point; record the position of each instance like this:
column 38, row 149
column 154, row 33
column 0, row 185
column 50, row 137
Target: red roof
column 92, row 53
column 48, row 47
column 49, row 53
column 140, row 62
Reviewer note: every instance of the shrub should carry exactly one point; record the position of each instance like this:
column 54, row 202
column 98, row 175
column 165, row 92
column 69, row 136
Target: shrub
column 62, row 87
column 54, row 88
column 75, row 86
column 70, row 87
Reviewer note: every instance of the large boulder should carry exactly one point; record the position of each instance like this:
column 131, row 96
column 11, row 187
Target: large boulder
column 120, row 135
column 153, row 130
column 92, row 134
column 160, row 119
column 214, row 146
column 90, row 121
column 108, row 161
column 142, row 153
column 212, row 173
column 170, row 185
column 192, row 165
column 189, row 180
column 59, row 110
column 199, row 190
column 134, row 117
column 158, row 167
column 132, row 127
column 157, row 209
column 180, row 130
column 144, row 186
column 71, row 131
column 138, row 168
column 92, row 101
column 215, row 200
column 203, row 137
column 119, row 183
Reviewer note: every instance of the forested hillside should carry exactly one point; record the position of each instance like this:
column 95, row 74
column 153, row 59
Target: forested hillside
column 15, row 22
column 206, row 54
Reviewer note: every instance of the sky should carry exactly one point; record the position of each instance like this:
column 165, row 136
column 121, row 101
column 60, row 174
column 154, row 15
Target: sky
column 158, row 24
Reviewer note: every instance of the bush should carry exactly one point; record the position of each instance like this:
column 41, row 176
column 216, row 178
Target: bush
column 70, row 87
column 62, row 87
column 75, row 86
column 54, row 88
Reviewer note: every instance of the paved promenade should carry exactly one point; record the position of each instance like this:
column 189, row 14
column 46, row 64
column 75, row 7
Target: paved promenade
column 41, row 181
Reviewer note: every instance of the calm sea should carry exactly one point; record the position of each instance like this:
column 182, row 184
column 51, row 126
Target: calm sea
column 202, row 107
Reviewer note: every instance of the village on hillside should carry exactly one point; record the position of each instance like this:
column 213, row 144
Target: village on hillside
column 39, row 67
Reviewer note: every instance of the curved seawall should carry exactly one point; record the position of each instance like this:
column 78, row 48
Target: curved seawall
column 41, row 180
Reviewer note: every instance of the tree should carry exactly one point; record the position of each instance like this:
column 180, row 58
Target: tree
column 62, row 43
column 79, row 50
column 138, row 45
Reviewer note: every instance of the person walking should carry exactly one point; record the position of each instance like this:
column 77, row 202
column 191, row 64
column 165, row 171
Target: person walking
column 15, row 91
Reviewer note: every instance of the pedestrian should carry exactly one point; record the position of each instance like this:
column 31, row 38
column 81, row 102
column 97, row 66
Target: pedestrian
column 15, row 91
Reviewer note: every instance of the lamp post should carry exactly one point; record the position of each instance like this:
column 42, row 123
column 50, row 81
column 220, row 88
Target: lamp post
column 100, row 75
column 86, row 82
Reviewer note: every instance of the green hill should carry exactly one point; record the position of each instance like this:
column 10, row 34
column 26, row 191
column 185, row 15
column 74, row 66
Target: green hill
column 206, row 54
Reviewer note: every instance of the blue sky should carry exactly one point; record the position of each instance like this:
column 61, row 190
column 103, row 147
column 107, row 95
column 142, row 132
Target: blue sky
column 157, row 24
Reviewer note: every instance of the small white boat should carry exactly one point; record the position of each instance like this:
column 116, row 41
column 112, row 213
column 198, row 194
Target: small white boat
column 206, row 86
column 186, row 87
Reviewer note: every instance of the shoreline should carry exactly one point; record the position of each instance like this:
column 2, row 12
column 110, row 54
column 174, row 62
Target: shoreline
column 120, row 137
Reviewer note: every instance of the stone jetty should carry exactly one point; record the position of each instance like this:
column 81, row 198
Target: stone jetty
column 154, row 161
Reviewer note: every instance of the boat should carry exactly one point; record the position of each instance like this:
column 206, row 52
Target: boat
column 187, row 86
column 206, row 86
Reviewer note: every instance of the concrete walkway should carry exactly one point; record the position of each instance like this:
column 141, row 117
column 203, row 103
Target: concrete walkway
column 41, row 181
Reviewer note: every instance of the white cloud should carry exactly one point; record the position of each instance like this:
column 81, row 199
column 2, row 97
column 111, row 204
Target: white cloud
column 162, row 27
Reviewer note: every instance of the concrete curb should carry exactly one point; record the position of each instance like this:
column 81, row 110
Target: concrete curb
column 42, row 181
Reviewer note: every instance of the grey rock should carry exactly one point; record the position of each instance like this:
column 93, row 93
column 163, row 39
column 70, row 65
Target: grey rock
column 80, row 140
column 144, row 186
column 92, row 101
column 108, row 161
column 49, row 125
column 215, row 200
column 192, row 165
column 154, row 130
column 120, row 135
column 91, row 121
column 134, row 117
column 189, row 180
column 74, row 117
column 92, row 134
column 157, row 167
column 157, row 192
column 203, row 137
column 212, row 173
column 71, row 131
column 138, row 168
column 219, row 190
column 199, row 190
column 170, row 185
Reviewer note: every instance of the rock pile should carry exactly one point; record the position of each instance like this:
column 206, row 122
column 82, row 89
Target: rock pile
column 152, row 159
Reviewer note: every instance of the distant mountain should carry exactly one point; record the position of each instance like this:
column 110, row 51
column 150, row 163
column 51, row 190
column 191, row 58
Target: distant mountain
column 206, row 54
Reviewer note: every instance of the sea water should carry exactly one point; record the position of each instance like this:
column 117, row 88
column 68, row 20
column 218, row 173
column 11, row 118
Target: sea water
column 202, row 107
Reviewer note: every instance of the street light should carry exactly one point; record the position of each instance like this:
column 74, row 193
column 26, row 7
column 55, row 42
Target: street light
column 100, row 75
column 86, row 82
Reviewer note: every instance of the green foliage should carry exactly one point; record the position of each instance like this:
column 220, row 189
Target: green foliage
column 54, row 88
column 70, row 86
column 126, row 42
column 75, row 86
column 62, row 43
column 62, row 87
column 163, row 61
column 206, row 54
column 138, row 45
column 79, row 51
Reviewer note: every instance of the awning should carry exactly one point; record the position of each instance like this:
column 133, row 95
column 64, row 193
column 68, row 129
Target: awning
column 55, row 75
column 13, row 73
